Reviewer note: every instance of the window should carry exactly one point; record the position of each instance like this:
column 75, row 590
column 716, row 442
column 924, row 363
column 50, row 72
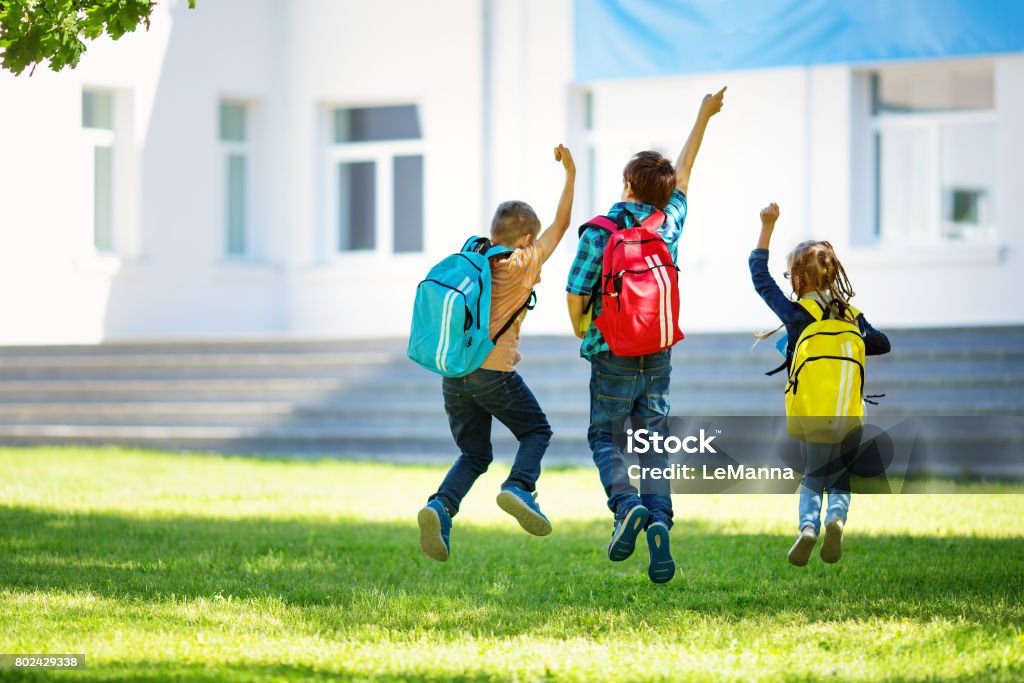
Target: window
column 609, row 137
column 934, row 152
column 234, row 139
column 375, row 166
column 98, row 125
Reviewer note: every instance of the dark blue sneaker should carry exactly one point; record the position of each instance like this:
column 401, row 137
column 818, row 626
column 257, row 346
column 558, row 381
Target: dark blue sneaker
column 626, row 530
column 523, row 506
column 435, row 527
column 662, row 567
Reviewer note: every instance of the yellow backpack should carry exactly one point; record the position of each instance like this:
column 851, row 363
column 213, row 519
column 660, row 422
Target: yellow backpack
column 825, row 392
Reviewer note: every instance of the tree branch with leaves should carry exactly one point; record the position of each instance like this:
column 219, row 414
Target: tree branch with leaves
column 33, row 31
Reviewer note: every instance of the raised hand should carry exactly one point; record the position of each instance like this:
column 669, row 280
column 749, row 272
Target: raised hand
column 563, row 154
column 712, row 104
column 769, row 215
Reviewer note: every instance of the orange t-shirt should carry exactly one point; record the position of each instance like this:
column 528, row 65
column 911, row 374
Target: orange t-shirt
column 512, row 280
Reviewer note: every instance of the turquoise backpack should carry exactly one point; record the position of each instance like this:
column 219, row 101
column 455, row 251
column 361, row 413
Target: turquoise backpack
column 451, row 315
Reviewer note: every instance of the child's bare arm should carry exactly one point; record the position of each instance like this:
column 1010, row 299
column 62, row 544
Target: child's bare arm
column 711, row 105
column 769, row 215
column 550, row 238
column 576, row 304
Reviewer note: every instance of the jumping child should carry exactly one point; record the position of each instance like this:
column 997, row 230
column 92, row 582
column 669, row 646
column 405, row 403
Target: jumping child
column 496, row 390
column 816, row 276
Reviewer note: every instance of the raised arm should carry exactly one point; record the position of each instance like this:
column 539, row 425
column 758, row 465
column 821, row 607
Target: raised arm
column 711, row 105
column 550, row 238
column 764, row 283
column 769, row 215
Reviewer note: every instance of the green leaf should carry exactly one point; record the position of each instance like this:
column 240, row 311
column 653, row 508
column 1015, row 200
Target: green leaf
column 33, row 31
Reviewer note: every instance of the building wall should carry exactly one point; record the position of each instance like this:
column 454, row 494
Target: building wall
column 493, row 82
column 798, row 136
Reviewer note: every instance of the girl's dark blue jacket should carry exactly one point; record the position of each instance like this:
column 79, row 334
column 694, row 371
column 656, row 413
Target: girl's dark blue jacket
column 793, row 315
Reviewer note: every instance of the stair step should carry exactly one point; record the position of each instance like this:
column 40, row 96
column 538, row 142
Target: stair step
column 366, row 399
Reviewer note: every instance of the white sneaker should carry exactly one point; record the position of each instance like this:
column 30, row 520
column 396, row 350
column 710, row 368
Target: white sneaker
column 832, row 547
column 800, row 553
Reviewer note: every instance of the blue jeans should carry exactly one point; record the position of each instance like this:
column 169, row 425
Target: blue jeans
column 824, row 470
column 623, row 386
column 470, row 403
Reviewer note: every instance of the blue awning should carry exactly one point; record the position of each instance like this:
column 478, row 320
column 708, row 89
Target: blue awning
column 638, row 38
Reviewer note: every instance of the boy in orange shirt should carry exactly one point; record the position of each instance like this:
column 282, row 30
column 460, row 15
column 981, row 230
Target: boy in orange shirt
column 496, row 389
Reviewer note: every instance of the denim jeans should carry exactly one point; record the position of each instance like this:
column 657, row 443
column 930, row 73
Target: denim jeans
column 824, row 470
column 623, row 386
column 470, row 403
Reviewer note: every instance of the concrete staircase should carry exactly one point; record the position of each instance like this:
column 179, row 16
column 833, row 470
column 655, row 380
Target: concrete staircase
column 366, row 400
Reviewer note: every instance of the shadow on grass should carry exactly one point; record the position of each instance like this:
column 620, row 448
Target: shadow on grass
column 337, row 575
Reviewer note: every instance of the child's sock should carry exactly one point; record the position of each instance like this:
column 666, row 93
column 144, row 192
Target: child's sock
column 800, row 553
column 832, row 547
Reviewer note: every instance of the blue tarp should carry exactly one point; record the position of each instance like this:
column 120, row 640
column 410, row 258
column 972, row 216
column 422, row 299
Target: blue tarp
column 638, row 38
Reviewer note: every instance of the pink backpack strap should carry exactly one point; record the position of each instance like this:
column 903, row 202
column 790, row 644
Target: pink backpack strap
column 654, row 221
column 602, row 222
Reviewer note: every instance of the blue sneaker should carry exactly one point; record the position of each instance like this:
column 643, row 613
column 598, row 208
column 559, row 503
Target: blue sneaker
column 435, row 527
column 662, row 567
column 626, row 530
column 523, row 506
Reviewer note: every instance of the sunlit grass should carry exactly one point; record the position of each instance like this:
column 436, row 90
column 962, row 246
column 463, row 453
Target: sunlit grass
column 201, row 567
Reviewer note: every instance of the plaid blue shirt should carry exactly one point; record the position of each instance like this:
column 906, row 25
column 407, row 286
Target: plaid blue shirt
column 585, row 274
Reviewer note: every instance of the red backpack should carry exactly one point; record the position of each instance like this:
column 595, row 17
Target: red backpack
column 639, row 287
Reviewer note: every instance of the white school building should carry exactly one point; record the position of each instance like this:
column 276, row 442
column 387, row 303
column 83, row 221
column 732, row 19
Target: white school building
column 268, row 169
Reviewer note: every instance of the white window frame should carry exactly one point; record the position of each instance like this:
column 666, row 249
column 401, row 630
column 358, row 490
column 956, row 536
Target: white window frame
column 599, row 190
column 101, row 138
column 931, row 123
column 382, row 153
column 125, row 209
column 246, row 148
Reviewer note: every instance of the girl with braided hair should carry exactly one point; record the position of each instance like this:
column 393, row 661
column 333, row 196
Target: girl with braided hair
column 815, row 273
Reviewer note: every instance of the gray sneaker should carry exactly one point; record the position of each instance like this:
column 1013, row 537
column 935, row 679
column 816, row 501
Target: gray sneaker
column 662, row 567
column 832, row 547
column 625, row 532
column 800, row 553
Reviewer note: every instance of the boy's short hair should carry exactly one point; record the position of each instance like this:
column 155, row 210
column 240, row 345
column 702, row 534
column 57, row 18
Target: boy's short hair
column 512, row 220
column 651, row 178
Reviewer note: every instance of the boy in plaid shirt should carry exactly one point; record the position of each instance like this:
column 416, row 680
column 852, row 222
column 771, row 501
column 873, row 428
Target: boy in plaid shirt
column 622, row 386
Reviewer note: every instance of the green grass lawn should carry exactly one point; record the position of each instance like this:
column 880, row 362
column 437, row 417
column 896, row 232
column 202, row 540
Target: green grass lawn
column 162, row 566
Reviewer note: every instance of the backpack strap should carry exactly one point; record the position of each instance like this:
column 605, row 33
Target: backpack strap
column 529, row 304
column 476, row 244
column 813, row 309
column 482, row 245
column 600, row 222
column 785, row 364
column 816, row 310
column 497, row 251
column 652, row 222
